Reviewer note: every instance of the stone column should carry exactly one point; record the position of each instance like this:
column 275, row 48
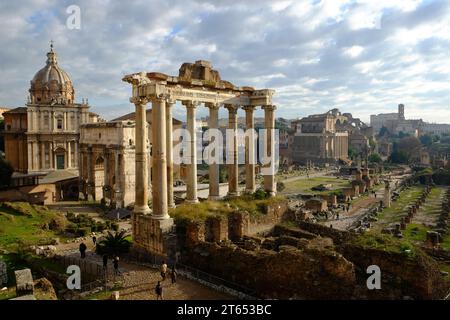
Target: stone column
column 51, row 155
column 69, row 154
column 213, row 123
column 106, row 169
column 159, row 160
column 117, row 186
column 35, row 155
column 387, row 194
column 233, row 167
column 191, row 194
column 269, row 123
column 141, row 177
column 169, row 152
column 250, row 180
column 42, row 154
column 30, row 157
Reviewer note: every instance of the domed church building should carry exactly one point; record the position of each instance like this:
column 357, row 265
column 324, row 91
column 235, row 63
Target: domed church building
column 44, row 136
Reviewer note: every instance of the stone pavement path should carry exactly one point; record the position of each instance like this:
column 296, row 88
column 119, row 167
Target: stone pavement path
column 359, row 208
column 138, row 282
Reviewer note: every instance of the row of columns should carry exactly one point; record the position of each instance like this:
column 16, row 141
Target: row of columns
column 36, row 122
column 37, row 151
column 162, row 154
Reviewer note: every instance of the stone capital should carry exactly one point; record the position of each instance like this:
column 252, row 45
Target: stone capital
column 269, row 107
column 139, row 101
column 212, row 105
column 232, row 108
column 160, row 97
column 190, row 103
column 249, row 108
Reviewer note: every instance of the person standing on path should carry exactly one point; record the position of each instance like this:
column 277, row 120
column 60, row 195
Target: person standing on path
column 83, row 250
column 105, row 261
column 173, row 275
column 116, row 265
column 94, row 240
column 163, row 270
column 159, row 291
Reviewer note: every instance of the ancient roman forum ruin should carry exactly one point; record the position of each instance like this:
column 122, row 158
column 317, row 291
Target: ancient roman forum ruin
column 196, row 84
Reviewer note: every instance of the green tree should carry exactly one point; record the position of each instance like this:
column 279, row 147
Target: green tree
column 114, row 244
column 6, row 171
column 352, row 152
column 399, row 156
column 375, row 158
column 383, row 131
column 426, row 140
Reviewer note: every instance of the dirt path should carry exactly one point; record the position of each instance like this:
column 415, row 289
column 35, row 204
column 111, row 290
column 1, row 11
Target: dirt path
column 431, row 209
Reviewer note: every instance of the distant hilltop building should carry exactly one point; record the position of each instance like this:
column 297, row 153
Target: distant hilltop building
column 44, row 135
column 396, row 123
column 317, row 139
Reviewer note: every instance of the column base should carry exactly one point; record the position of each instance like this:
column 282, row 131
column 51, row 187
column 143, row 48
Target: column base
column 271, row 193
column 214, row 198
column 164, row 223
column 252, row 190
column 233, row 194
column 172, row 205
column 145, row 209
column 191, row 201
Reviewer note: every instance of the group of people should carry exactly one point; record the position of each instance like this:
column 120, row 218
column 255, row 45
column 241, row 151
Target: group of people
column 115, row 260
column 173, row 277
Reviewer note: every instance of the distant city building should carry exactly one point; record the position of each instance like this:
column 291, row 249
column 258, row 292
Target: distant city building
column 396, row 123
column 317, row 139
column 3, row 110
column 436, row 128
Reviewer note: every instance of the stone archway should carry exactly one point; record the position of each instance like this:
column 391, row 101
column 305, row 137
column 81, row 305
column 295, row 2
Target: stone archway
column 99, row 177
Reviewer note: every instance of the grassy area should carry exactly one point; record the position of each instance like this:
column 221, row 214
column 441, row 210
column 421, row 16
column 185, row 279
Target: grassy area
column 204, row 209
column 399, row 207
column 374, row 240
column 25, row 223
column 305, row 185
column 10, row 293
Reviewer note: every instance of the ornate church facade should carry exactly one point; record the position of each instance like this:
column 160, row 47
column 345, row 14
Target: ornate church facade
column 44, row 135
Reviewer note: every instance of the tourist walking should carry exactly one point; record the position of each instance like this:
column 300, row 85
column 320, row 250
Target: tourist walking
column 105, row 261
column 173, row 275
column 94, row 240
column 83, row 250
column 163, row 270
column 116, row 265
column 337, row 215
column 159, row 291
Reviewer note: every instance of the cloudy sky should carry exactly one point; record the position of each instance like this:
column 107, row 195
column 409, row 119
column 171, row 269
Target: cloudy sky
column 361, row 56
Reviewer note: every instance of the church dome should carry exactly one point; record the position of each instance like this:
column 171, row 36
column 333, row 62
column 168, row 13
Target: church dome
column 51, row 84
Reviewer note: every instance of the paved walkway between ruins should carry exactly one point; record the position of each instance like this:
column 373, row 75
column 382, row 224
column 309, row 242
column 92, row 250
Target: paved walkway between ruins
column 138, row 282
column 358, row 209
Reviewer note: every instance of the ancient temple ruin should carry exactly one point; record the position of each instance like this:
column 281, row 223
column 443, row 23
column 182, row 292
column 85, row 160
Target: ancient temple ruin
column 196, row 84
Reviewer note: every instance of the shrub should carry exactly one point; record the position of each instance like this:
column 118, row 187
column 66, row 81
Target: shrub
column 115, row 226
column 259, row 194
column 114, row 244
column 83, row 232
column 101, row 226
column 280, row 186
column 70, row 216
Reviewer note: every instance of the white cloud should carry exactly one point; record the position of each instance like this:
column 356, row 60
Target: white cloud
column 361, row 56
